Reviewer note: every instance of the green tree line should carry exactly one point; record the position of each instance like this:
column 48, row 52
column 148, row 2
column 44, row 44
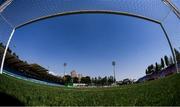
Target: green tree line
column 96, row 81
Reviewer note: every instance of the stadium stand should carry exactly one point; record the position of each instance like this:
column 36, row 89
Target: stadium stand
column 15, row 67
column 156, row 75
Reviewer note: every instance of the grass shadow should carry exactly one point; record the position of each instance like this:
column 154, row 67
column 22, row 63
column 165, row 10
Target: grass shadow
column 8, row 100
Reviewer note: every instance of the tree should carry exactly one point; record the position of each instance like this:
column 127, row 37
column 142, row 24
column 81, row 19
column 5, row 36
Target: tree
column 162, row 63
column 104, row 81
column 157, row 67
column 1, row 44
column 151, row 69
column 75, row 80
column 95, row 81
column 99, row 80
column 67, row 79
column 177, row 53
column 9, row 50
column 171, row 62
column 86, row 80
column 146, row 71
column 166, row 59
column 110, row 80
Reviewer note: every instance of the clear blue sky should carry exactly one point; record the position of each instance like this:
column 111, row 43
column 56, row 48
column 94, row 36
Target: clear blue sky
column 90, row 42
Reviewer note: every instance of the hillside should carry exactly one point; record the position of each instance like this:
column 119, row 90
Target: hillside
column 159, row 92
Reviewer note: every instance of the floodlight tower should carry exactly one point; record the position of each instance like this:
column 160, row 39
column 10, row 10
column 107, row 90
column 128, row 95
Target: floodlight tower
column 113, row 64
column 65, row 64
